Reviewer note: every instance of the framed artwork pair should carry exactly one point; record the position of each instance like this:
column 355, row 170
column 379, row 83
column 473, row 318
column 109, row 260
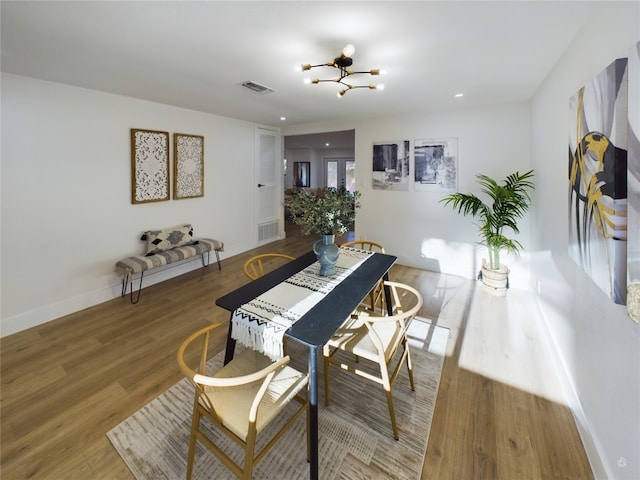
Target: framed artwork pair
column 150, row 172
column 434, row 164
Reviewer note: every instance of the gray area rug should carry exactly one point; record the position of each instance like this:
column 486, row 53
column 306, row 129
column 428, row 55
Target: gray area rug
column 355, row 437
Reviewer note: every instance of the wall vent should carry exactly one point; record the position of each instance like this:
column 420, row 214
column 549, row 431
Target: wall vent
column 256, row 87
column 267, row 231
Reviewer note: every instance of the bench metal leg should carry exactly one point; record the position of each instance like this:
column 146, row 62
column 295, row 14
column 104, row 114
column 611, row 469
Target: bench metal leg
column 125, row 282
column 128, row 280
column 207, row 263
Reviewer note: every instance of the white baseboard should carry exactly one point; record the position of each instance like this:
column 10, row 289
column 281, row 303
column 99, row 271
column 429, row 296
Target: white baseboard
column 588, row 440
column 47, row 313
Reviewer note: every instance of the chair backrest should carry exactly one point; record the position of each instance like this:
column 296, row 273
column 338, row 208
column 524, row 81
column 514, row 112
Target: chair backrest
column 255, row 267
column 364, row 245
column 201, row 380
column 406, row 300
column 406, row 303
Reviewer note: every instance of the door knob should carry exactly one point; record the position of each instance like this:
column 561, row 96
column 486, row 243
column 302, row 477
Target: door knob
column 260, row 185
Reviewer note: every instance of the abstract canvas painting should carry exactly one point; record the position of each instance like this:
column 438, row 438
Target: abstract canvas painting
column 436, row 165
column 391, row 165
column 633, row 187
column 598, row 180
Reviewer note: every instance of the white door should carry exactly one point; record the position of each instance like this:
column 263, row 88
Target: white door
column 268, row 184
column 340, row 172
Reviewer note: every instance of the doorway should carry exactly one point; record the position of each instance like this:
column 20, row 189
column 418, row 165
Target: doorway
column 340, row 173
column 331, row 159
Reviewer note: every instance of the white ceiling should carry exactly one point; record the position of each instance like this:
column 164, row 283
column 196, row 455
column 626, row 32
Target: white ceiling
column 193, row 54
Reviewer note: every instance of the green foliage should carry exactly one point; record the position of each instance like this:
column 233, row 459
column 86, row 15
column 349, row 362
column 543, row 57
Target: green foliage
column 509, row 202
column 327, row 211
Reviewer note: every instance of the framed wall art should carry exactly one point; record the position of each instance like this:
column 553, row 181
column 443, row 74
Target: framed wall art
column 633, row 182
column 149, row 166
column 598, row 180
column 391, row 165
column 188, row 166
column 436, row 165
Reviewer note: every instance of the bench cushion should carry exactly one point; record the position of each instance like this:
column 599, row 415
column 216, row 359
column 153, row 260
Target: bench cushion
column 140, row 263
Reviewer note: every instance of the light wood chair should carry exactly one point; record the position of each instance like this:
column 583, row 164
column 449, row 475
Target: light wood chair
column 380, row 340
column 254, row 267
column 376, row 296
column 364, row 245
column 240, row 399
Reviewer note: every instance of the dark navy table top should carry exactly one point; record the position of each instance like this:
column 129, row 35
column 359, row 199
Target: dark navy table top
column 317, row 326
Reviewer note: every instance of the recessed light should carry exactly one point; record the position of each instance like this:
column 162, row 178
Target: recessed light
column 326, row 144
column 283, row 118
column 459, row 95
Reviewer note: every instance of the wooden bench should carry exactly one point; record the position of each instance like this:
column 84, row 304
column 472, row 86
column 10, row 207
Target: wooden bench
column 160, row 254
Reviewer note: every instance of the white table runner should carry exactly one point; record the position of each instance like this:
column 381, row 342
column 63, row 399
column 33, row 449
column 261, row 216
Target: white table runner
column 261, row 323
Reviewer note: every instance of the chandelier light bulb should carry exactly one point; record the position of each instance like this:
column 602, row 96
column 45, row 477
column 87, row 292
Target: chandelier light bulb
column 380, row 86
column 348, row 50
column 307, row 81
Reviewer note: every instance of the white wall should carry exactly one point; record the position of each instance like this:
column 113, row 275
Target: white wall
column 413, row 225
column 599, row 345
column 67, row 215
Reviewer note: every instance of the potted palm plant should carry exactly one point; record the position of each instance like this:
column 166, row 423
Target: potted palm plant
column 325, row 212
column 509, row 201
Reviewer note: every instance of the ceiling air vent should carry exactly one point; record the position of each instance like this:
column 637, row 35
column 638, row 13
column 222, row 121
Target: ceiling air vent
column 256, row 87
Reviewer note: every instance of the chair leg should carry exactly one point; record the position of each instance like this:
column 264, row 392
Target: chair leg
column 249, row 455
column 195, row 423
column 392, row 414
column 410, row 368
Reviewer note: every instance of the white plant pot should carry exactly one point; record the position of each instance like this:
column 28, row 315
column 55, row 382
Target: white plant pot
column 495, row 281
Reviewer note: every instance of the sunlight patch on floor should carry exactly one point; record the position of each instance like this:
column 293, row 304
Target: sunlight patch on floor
column 421, row 332
column 506, row 342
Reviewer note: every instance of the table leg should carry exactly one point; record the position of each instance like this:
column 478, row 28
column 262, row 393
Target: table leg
column 313, row 412
column 231, row 345
column 387, row 295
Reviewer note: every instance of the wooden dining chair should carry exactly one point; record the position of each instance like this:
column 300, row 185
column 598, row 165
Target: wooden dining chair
column 364, row 245
column 255, row 267
column 240, row 399
column 378, row 340
column 376, row 296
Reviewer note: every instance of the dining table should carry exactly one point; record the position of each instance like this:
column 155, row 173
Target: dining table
column 315, row 326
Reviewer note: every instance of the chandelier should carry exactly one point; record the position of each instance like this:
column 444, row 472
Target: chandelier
column 342, row 63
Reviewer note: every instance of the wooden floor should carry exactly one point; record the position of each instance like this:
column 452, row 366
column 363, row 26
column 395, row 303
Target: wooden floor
column 500, row 413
